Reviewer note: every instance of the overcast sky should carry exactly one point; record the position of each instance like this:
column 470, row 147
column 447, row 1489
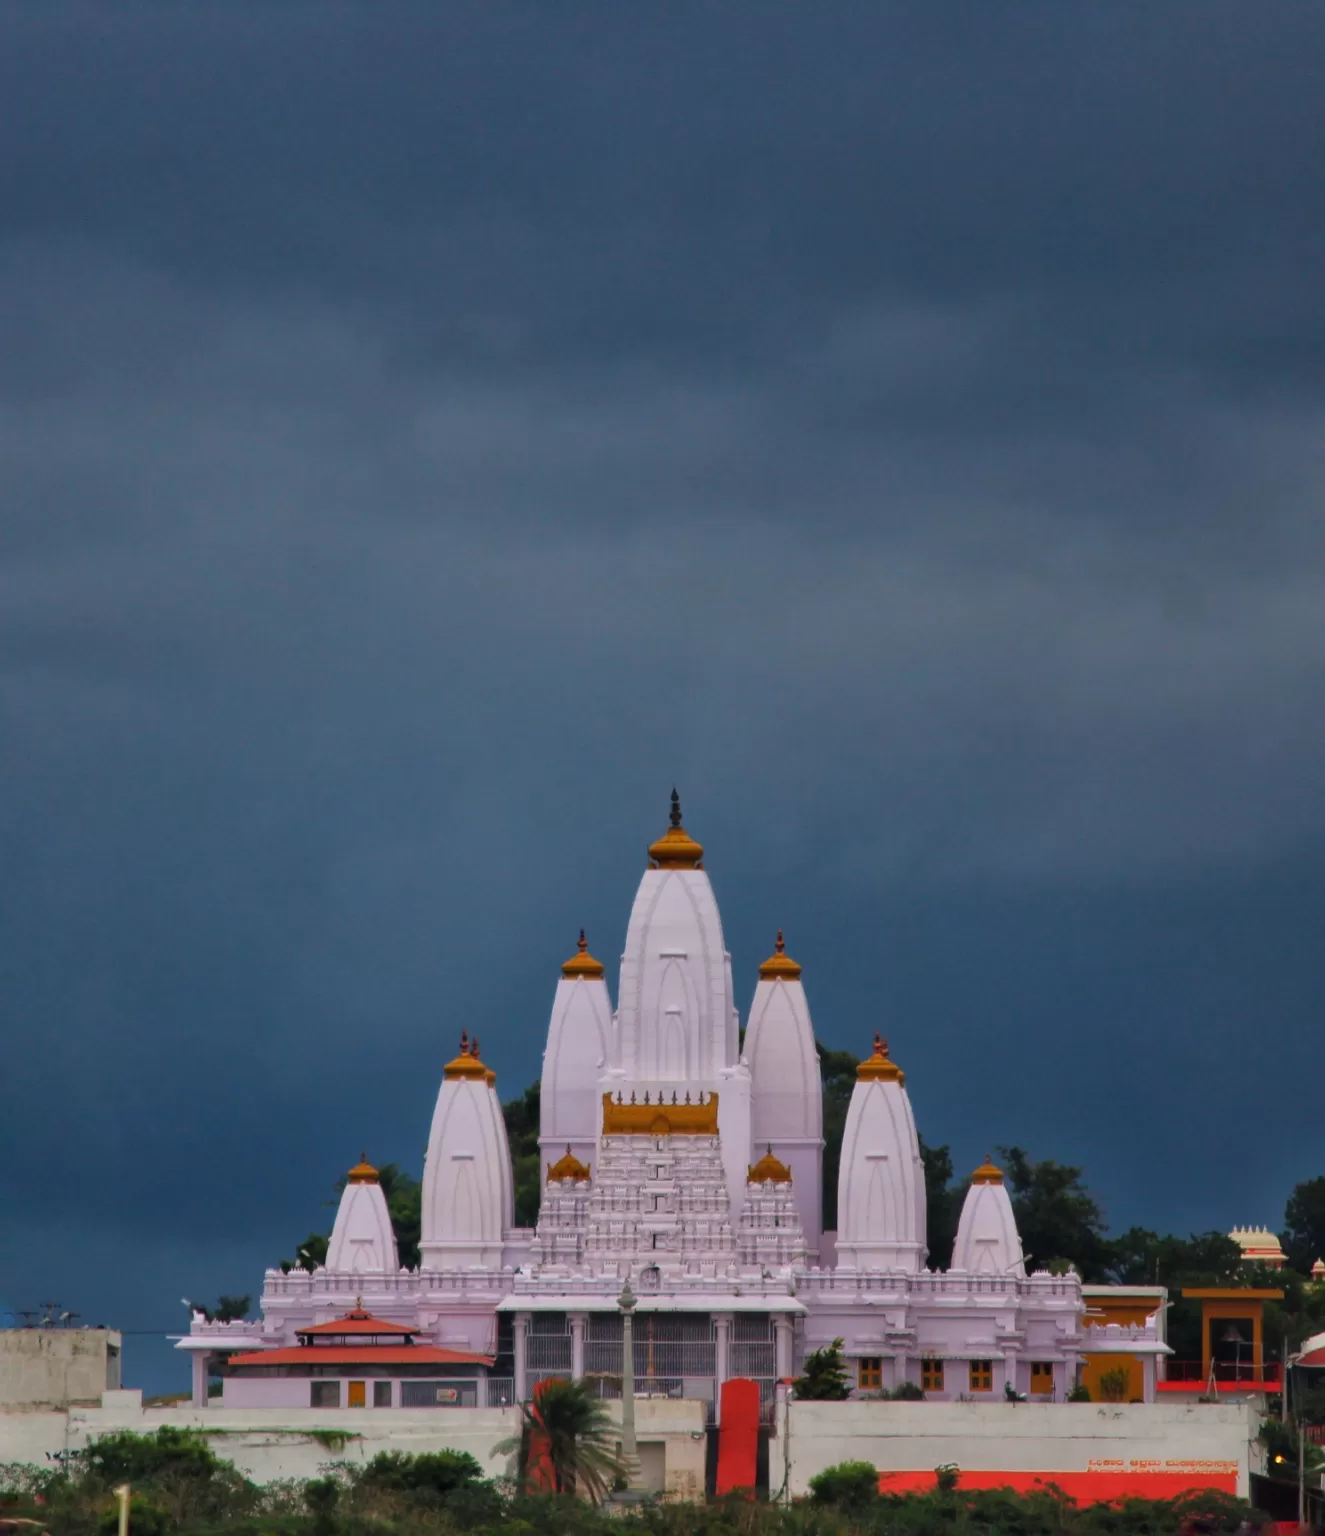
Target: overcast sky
column 428, row 432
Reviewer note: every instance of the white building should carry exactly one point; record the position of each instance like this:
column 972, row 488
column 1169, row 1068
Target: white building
column 692, row 1165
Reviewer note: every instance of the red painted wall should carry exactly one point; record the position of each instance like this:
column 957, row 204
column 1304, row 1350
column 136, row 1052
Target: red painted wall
column 738, row 1435
column 1084, row 1487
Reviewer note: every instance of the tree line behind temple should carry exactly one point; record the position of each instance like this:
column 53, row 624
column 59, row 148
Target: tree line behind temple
column 1061, row 1223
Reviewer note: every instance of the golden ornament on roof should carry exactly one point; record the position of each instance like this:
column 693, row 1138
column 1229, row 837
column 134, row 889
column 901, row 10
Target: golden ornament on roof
column 779, row 966
column 676, row 849
column 467, row 1063
column 986, row 1173
column 768, row 1170
column 568, row 1167
column 582, row 966
column 363, row 1171
column 879, row 1067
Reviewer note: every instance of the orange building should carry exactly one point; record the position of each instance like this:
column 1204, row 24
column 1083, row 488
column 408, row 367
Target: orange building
column 1116, row 1310
column 1232, row 1345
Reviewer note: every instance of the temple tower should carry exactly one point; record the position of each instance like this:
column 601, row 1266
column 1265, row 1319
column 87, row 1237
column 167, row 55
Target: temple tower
column 362, row 1240
column 987, row 1239
column 468, row 1186
column 881, row 1185
column 676, row 1021
column 786, row 1094
column 578, row 1054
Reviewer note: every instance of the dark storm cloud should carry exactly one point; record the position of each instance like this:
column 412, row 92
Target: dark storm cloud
column 423, row 438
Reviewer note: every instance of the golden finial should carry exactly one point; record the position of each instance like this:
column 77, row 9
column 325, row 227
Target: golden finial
column 467, row 1063
column 779, row 966
column 676, row 849
column 582, row 966
column 986, row 1173
column 880, row 1067
column 363, row 1171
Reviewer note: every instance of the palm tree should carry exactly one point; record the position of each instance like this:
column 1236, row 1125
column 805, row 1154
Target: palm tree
column 567, row 1439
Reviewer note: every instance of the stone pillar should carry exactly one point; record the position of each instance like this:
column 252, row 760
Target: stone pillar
column 578, row 1322
column 520, row 1330
column 899, row 1367
column 1010, row 1368
column 626, row 1303
column 200, row 1378
column 782, row 1333
column 481, row 1397
column 722, row 1353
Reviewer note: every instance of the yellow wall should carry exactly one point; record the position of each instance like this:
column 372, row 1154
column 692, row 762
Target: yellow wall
column 1094, row 1366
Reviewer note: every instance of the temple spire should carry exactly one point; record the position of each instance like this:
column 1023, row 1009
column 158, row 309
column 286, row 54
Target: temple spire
column 676, row 849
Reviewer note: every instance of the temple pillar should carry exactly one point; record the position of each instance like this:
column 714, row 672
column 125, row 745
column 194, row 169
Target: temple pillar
column 481, row 1394
column 722, row 1353
column 578, row 1322
column 200, row 1358
column 1010, row 1368
column 782, row 1334
column 899, row 1367
column 520, row 1332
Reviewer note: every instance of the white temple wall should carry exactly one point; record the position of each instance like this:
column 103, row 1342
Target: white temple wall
column 272, row 1444
column 734, row 1131
column 1011, row 1437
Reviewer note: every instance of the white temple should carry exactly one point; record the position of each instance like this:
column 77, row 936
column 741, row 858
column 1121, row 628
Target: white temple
column 690, row 1163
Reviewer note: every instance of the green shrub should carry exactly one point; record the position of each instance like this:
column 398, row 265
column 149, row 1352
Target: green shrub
column 145, row 1517
column 426, row 1479
column 850, row 1485
column 906, row 1392
column 824, row 1379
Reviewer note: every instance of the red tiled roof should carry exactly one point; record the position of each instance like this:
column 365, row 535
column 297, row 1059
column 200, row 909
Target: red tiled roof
column 360, row 1354
column 357, row 1322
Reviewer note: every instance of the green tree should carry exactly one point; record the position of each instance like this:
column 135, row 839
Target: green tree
column 522, row 1117
column 850, row 1485
column 228, row 1309
column 1303, row 1237
column 837, row 1072
column 424, row 1480
column 1141, row 1257
column 824, row 1378
column 1059, row 1220
column 573, row 1430
column 943, row 1204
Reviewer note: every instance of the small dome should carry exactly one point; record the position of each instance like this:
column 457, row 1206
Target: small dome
column 768, row 1170
column 879, row 1067
column 568, row 1167
column 676, row 849
column 986, row 1173
column 582, row 966
column 466, row 1064
column 363, row 1171
column 779, row 966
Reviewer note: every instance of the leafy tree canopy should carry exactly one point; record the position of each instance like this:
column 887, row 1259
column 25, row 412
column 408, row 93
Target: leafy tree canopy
column 824, row 1379
column 1057, row 1217
column 228, row 1309
column 1303, row 1237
